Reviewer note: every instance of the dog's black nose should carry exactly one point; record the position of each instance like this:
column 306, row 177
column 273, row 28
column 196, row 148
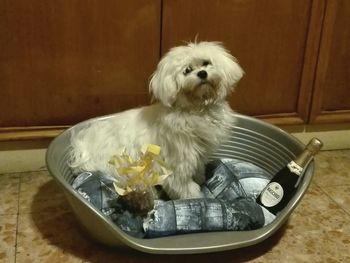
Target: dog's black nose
column 202, row 74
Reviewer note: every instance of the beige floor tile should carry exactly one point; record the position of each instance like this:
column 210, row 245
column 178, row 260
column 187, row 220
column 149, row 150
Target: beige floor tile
column 318, row 231
column 332, row 168
column 20, row 160
column 40, row 193
column 9, row 189
column 8, row 225
column 47, row 237
column 56, row 237
column 52, row 237
column 340, row 194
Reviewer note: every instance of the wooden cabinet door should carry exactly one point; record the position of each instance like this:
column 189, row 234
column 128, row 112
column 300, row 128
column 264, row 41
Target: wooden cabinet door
column 331, row 100
column 65, row 61
column 275, row 42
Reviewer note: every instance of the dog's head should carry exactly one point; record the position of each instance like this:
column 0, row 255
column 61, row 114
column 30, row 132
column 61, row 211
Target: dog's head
column 196, row 74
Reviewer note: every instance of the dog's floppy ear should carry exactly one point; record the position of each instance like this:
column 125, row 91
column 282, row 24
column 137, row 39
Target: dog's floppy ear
column 232, row 72
column 163, row 85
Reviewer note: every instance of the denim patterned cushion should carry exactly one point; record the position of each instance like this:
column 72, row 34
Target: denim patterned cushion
column 230, row 190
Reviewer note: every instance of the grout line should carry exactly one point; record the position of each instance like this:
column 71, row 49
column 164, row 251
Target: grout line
column 334, row 185
column 17, row 223
column 23, row 172
column 334, row 201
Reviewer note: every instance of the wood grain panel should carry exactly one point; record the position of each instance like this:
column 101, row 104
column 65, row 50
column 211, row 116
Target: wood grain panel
column 331, row 100
column 64, row 61
column 30, row 133
column 269, row 38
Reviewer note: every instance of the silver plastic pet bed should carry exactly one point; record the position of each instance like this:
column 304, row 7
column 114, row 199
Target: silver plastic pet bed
column 252, row 140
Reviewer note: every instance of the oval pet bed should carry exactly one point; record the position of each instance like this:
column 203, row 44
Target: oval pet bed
column 252, row 141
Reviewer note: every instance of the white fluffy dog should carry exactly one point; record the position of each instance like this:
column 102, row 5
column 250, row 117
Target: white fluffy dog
column 189, row 122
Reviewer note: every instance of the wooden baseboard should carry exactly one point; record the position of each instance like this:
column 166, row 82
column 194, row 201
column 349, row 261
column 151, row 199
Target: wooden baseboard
column 30, row 133
column 332, row 117
column 282, row 119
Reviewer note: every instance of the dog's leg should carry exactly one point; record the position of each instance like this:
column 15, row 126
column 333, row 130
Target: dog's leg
column 199, row 177
column 192, row 190
column 181, row 188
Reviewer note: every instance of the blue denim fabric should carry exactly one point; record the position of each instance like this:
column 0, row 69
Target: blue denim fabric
column 98, row 189
column 229, row 204
column 203, row 214
column 228, row 179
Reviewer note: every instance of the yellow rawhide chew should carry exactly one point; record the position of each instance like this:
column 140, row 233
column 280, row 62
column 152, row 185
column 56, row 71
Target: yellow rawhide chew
column 149, row 170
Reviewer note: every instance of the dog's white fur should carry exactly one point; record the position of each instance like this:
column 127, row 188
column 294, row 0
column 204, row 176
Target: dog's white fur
column 189, row 122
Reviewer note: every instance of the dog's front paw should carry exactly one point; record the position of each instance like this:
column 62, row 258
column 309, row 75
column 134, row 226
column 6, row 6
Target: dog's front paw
column 192, row 190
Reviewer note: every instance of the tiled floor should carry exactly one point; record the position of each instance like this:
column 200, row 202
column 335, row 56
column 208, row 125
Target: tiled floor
column 37, row 225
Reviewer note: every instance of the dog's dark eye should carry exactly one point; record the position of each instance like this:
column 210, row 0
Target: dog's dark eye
column 188, row 70
column 206, row 63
